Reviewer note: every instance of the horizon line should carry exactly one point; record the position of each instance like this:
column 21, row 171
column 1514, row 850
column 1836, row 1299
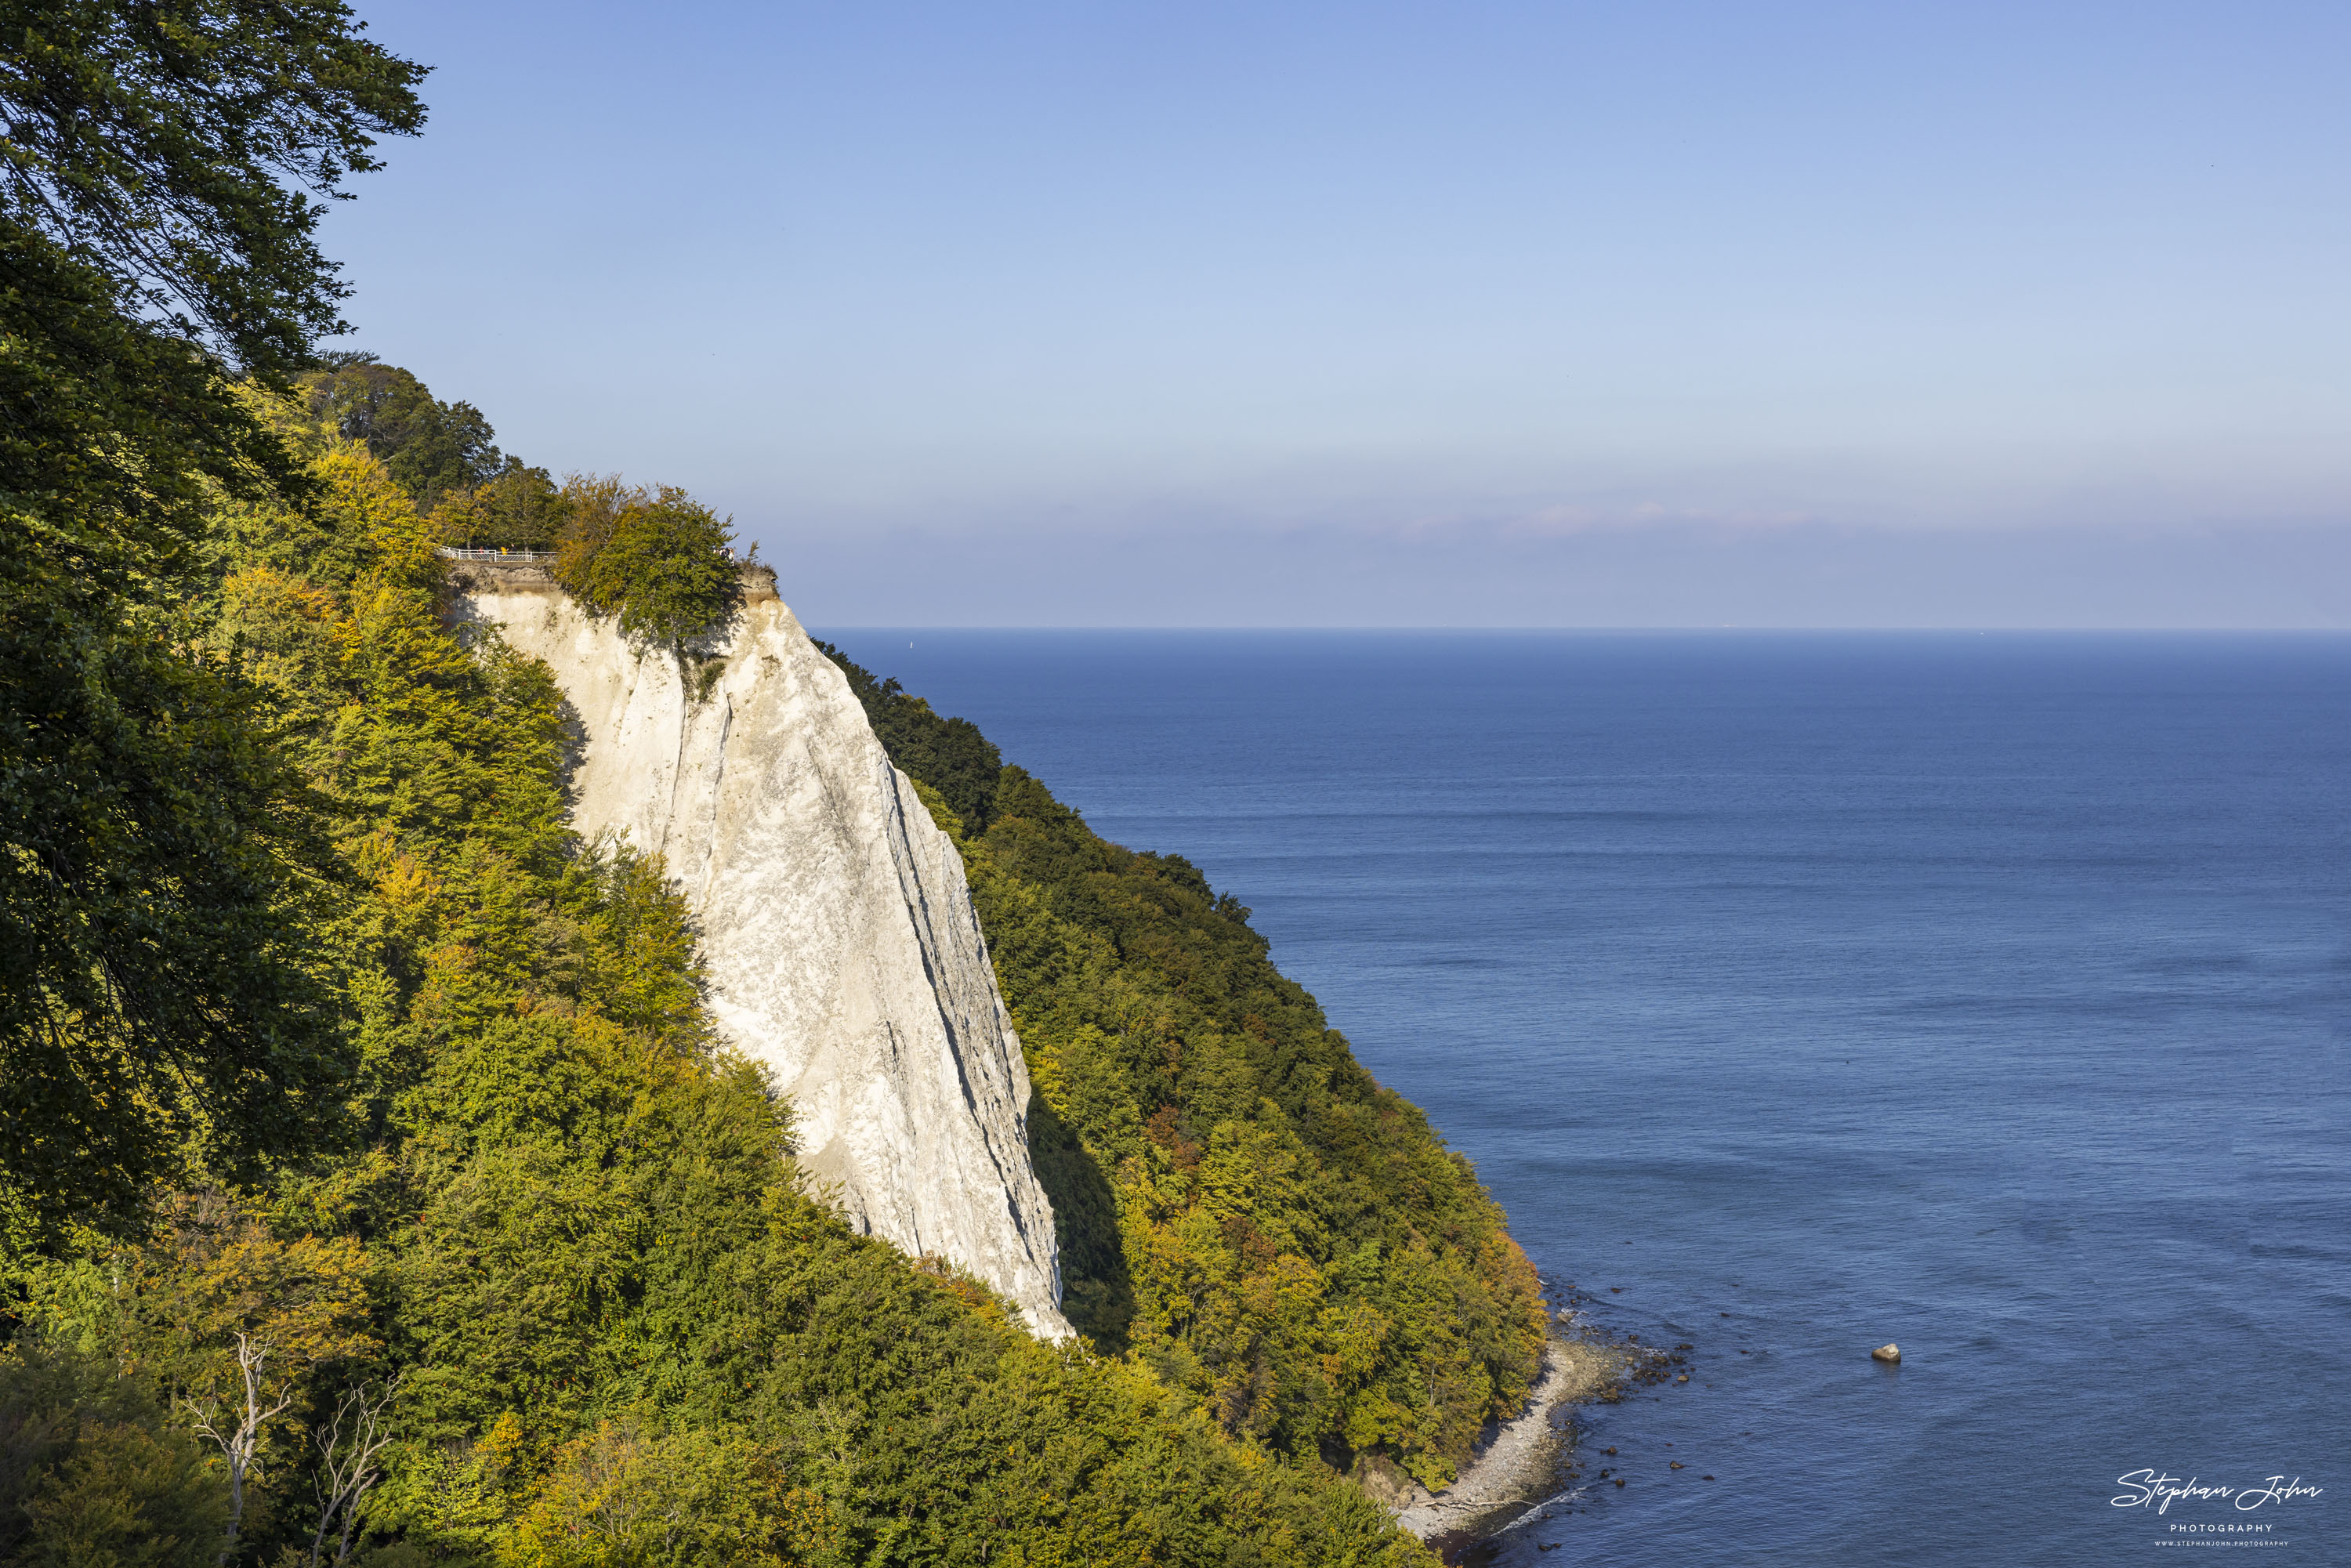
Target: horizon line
column 1674, row 629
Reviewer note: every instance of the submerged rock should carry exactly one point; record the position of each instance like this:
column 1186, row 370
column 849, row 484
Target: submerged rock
column 842, row 948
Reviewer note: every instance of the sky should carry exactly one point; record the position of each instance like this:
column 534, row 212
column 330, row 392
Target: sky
column 1464, row 314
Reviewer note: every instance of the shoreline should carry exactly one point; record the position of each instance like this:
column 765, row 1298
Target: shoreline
column 1520, row 1464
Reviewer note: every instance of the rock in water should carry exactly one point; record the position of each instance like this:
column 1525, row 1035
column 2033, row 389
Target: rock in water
column 842, row 948
column 1890, row 1355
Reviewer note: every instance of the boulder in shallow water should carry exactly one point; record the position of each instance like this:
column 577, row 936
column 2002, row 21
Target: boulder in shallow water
column 1891, row 1354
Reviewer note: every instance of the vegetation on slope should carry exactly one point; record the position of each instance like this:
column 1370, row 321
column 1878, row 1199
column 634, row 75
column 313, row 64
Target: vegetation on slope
column 1240, row 1205
column 157, row 856
column 373, row 1185
column 563, row 1267
column 431, row 449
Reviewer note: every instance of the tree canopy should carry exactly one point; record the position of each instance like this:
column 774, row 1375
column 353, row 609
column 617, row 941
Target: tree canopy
column 520, row 509
column 158, row 185
column 1238, row 1204
column 658, row 561
column 180, row 148
column 429, row 447
column 569, row 1262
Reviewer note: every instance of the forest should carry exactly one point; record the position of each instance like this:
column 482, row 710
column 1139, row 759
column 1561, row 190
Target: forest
column 1241, row 1208
column 375, row 1185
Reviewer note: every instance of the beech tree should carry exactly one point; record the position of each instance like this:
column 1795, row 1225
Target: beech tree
column 161, row 174
column 92, row 1469
column 657, row 562
column 244, row 1320
column 181, row 150
column 430, row 447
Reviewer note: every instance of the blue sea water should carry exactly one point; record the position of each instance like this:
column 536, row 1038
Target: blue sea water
column 1799, row 992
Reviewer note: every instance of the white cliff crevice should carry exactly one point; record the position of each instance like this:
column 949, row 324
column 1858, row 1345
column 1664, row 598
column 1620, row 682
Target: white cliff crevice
column 842, row 948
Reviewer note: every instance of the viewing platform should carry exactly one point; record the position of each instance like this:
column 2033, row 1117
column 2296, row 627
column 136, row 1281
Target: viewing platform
column 534, row 569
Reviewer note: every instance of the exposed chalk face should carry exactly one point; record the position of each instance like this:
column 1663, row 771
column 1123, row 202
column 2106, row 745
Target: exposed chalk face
column 842, row 948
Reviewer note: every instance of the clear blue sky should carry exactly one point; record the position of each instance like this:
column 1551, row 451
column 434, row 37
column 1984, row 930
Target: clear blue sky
column 1869, row 314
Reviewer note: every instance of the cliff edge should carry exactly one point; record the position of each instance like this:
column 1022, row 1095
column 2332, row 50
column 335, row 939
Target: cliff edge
column 842, row 948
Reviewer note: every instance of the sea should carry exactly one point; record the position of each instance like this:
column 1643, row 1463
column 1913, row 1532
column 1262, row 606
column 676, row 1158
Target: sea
column 1798, row 993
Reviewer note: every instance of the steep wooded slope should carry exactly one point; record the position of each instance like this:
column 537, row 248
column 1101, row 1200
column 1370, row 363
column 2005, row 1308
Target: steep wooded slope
column 1241, row 1207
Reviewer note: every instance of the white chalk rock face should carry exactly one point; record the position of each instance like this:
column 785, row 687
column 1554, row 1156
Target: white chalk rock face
column 842, row 948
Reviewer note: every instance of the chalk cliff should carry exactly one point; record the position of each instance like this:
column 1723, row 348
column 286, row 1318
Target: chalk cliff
column 841, row 945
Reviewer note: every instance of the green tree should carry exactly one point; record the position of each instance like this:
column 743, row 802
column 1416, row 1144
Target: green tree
column 430, row 448
column 158, row 197
column 157, row 853
column 659, row 562
column 178, row 149
column 248, row 1318
column 92, row 1470
column 697, row 1498
column 520, row 509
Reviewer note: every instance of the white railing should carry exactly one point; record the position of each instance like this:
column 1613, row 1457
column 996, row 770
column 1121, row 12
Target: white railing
column 524, row 557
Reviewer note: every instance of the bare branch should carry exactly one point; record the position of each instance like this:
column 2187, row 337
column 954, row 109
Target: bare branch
column 347, row 1469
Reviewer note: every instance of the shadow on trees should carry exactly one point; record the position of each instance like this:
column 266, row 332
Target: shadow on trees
column 1097, row 1296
